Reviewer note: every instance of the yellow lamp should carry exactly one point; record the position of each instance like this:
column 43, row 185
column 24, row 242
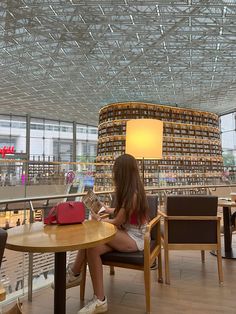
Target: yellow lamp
column 144, row 139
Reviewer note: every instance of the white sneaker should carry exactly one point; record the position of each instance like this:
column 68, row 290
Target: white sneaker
column 71, row 279
column 94, row 306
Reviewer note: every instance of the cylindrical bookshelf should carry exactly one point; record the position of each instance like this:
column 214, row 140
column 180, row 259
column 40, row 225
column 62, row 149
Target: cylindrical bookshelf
column 192, row 153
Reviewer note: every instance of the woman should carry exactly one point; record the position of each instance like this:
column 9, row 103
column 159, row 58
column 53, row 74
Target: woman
column 130, row 218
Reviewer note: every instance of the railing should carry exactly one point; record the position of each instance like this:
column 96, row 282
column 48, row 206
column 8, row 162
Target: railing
column 18, row 266
column 34, row 172
column 13, row 269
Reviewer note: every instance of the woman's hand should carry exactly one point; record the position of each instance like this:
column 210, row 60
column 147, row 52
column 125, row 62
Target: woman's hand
column 95, row 216
column 108, row 210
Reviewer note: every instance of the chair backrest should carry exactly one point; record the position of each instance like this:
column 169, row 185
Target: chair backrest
column 3, row 239
column 192, row 231
column 153, row 203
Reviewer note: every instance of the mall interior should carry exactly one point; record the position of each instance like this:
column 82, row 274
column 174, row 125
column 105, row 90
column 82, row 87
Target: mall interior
column 84, row 82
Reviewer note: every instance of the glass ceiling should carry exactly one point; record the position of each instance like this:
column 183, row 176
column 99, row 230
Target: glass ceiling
column 66, row 59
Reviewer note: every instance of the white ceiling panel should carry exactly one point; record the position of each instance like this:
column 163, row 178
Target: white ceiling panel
column 65, row 59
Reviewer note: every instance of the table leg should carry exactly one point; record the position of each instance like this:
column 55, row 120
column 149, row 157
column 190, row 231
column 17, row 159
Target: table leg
column 60, row 283
column 228, row 251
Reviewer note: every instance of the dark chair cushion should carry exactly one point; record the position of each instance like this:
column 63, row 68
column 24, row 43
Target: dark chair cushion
column 136, row 258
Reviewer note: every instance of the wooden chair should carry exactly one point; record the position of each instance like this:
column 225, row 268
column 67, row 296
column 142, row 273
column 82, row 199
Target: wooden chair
column 191, row 223
column 15, row 309
column 141, row 260
column 3, row 239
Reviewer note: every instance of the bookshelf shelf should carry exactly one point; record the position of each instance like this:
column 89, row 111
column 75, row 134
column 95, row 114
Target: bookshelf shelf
column 192, row 151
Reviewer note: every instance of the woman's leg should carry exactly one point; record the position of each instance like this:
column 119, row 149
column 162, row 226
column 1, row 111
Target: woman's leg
column 121, row 242
column 79, row 261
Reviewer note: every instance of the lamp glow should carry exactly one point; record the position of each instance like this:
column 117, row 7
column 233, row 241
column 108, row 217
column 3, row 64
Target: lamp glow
column 144, row 138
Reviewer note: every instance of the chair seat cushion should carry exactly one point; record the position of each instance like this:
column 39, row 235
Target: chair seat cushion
column 136, row 258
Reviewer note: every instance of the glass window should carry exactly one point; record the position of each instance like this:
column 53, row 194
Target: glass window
column 229, row 158
column 49, row 139
column 66, row 150
column 66, row 130
column 36, row 148
column 228, row 140
column 48, row 149
column 81, row 130
column 18, row 133
column 5, row 124
column 62, row 150
column 227, row 122
column 52, row 129
column 6, row 141
column 37, row 128
column 84, row 150
column 92, row 130
column 13, row 132
column 92, row 149
column 54, row 135
column 18, row 122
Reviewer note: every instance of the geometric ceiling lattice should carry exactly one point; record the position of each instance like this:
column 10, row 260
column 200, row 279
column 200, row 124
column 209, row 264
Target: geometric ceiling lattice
column 66, row 59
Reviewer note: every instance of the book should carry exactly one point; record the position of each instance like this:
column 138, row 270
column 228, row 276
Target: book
column 92, row 202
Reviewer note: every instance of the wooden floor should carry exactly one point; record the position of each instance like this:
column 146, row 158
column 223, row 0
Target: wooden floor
column 194, row 289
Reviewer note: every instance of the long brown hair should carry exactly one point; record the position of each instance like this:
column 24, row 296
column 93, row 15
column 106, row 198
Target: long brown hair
column 129, row 190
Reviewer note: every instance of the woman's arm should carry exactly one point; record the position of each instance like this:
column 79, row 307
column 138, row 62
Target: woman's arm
column 98, row 216
column 119, row 219
column 109, row 210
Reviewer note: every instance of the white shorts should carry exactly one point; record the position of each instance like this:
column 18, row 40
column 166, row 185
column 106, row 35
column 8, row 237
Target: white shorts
column 137, row 234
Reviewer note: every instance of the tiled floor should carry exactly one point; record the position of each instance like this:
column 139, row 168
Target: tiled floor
column 194, row 289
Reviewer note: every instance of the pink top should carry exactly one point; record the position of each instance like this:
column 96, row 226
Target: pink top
column 134, row 219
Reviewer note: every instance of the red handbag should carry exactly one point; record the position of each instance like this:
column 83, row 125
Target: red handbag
column 66, row 213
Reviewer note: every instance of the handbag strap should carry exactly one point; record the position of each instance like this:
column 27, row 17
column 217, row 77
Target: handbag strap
column 51, row 218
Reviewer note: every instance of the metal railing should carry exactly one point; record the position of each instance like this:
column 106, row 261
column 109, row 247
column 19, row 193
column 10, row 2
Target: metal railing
column 45, row 203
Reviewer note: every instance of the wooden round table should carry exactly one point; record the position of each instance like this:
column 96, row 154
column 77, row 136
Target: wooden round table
column 38, row 238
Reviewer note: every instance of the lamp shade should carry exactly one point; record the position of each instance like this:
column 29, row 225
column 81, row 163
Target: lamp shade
column 144, row 138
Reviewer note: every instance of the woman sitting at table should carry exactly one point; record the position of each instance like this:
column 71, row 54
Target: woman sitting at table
column 130, row 218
